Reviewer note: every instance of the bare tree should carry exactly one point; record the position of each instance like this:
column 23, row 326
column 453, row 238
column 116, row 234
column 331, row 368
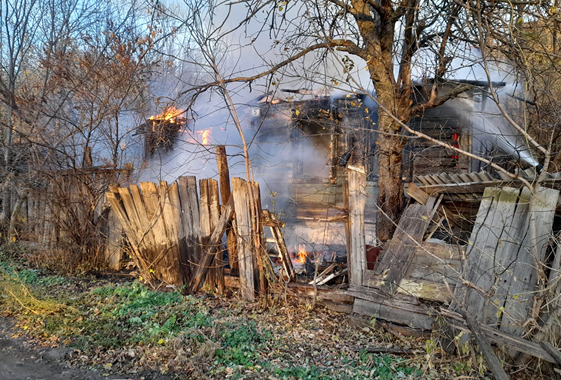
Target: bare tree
column 384, row 39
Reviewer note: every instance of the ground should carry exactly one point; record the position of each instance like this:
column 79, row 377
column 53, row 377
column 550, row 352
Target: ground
column 22, row 361
column 113, row 326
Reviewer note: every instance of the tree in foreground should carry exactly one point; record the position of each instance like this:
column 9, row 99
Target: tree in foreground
column 351, row 45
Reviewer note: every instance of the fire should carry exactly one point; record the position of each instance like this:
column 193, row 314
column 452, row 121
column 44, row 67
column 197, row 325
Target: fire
column 170, row 114
column 205, row 136
column 302, row 254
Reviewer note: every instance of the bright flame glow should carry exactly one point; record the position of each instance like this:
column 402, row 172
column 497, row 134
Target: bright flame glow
column 168, row 114
column 302, row 254
column 205, row 136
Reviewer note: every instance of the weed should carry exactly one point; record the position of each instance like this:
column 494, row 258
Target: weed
column 385, row 367
column 240, row 343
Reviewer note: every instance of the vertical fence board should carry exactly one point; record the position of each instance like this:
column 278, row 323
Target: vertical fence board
column 243, row 228
column 170, row 217
column 356, row 244
column 257, row 235
column 215, row 279
column 113, row 249
column 191, row 220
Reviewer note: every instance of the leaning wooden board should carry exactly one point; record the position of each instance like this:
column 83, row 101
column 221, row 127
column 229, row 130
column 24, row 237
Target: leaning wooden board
column 432, row 274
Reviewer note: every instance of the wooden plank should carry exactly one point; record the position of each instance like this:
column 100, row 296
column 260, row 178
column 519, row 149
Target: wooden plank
column 553, row 351
column 205, row 218
column 398, row 254
column 496, row 211
column 118, row 208
column 240, row 192
column 257, row 235
column 356, row 244
column 215, row 277
column 331, row 277
column 172, row 220
column 417, row 194
column 154, row 207
column 466, row 187
column 145, row 234
column 500, row 338
column 423, row 180
column 391, row 311
column 114, row 240
column 213, row 243
column 325, row 272
column 483, row 345
column 225, row 192
column 281, row 246
column 191, row 221
column 426, row 289
column 519, row 282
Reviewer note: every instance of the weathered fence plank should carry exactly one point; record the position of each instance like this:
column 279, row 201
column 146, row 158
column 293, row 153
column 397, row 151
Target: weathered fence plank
column 500, row 261
column 243, row 226
column 257, row 235
column 191, row 221
column 356, row 245
column 169, row 197
column 213, row 244
column 113, row 248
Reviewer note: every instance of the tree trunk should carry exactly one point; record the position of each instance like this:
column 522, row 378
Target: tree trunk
column 390, row 163
column 390, row 185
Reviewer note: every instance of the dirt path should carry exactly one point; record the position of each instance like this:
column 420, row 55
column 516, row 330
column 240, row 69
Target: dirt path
column 18, row 361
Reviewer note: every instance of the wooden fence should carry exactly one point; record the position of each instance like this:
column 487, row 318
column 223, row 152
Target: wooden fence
column 177, row 238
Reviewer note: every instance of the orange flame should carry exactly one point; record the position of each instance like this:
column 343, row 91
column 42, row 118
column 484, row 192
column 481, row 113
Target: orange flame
column 205, row 136
column 302, row 254
column 170, row 114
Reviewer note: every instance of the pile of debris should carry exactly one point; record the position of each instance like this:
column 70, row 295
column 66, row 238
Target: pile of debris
column 476, row 244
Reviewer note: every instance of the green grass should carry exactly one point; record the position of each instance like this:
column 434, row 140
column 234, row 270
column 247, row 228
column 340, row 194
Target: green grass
column 223, row 342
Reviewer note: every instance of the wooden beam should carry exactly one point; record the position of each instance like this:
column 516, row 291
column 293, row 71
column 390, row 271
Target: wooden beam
column 417, row 193
column 257, row 235
column 355, row 199
column 398, row 254
column 500, row 338
column 225, row 192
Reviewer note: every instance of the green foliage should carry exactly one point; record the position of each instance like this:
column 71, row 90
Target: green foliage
column 385, row 367
column 304, row 373
column 240, row 343
column 132, row 314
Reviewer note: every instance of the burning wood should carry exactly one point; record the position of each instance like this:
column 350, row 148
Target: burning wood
column 161, row 130
column 170, row 115
column 302, row 254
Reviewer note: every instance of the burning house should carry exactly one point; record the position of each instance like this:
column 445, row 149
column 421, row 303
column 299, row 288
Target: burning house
column 306, row 140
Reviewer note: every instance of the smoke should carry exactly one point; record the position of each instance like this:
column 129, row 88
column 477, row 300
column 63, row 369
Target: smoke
column 490, row 129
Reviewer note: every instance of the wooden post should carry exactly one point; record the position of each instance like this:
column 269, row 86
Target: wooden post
column 191, row 222
column 243, row 227
column 225, row 192
column 257, row 233
column 355, row 200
